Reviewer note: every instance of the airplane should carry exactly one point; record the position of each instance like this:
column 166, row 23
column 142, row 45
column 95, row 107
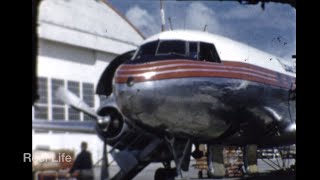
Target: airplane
column 182, row 88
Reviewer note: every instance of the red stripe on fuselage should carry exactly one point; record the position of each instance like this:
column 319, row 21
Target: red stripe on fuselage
column 167, row 69
column 185, row 66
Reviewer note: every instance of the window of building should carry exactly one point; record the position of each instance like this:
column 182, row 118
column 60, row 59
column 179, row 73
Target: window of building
column 208, row 53
column 74, row 87
column 55, row 84
column 41, row 105
column 43, row 90
column 88, row 97
column 58, row 113
column 40, row 108
column 49, row 107
column 87, row 93
column 73, row 114
column 41, row 112
column 58, row 107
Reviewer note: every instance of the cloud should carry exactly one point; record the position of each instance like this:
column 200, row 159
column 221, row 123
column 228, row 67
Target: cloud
column 274, row 16
column 198, row 15
column 195, row 17
column 248, row 24
column 272, row 30
column 143, row 20
column 242, row 12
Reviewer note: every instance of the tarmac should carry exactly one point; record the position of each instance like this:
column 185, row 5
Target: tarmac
column 265, row 173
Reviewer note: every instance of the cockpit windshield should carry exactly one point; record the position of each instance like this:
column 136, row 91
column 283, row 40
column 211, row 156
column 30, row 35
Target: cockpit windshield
column 172, row 47
column 148, row 49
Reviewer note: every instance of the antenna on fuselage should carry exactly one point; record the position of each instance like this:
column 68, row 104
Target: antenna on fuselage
column 205, row 28
column 162, row 17
column 170, row 23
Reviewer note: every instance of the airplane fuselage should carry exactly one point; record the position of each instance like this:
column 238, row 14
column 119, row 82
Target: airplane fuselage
column 202, row 99
column 199, row 99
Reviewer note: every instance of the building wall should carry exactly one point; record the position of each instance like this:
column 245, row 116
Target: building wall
column 78, row 38
column 87, row 23
column 67, row 63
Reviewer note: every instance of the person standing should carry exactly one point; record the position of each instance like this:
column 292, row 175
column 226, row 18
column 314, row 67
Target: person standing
column 82, row 166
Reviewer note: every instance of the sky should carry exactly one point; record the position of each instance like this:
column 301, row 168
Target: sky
column 272, row 30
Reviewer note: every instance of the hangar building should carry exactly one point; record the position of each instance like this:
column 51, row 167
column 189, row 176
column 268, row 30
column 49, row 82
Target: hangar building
column 77, row 40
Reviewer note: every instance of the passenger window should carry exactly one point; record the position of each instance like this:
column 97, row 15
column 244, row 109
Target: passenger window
column 172, row 47
column 208, row 53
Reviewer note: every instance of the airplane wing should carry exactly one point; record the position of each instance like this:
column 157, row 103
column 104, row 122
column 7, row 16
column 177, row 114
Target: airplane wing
column 87, row 127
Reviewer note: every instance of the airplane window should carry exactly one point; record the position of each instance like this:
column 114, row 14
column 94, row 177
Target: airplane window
column 193, row 50
column 208, row 53
column 148, row 49
column 172, row 47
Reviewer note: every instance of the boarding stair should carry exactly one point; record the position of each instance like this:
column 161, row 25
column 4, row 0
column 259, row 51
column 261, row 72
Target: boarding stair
column 132, row 159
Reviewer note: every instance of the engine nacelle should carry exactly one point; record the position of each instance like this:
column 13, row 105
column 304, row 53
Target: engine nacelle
column 117, row 132
column 113, row 129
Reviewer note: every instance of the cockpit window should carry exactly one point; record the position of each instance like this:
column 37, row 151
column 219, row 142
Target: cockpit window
column 193, row 50
column 208, row 53
column 148, row 49
column 172, row 47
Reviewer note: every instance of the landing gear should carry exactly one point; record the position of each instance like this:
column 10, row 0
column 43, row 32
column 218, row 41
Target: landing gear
column 165, row 174
column 200, row 174
column 181, row 151
column 216, row 167
column 251, row 159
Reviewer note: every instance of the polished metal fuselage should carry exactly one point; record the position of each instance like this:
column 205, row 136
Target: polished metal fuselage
column 200, row 107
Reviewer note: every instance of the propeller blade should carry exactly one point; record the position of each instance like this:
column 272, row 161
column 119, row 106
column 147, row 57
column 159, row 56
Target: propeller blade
column 71, row 99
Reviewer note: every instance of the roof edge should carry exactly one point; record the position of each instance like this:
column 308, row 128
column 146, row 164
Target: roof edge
column 121, row 15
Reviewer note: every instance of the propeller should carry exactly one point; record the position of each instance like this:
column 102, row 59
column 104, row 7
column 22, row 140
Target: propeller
column 72, row 100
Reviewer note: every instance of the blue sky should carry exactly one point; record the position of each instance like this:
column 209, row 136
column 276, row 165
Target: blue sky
column 272, row 30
